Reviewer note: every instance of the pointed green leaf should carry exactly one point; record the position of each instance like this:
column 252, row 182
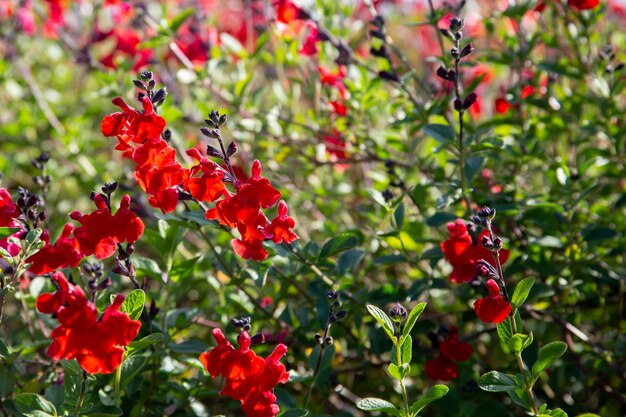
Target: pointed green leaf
column 376, row 404
column 130, row 368
column 521, row 291
column 504, row 330
column 441, row 133
column 338, row 244
column 149, row 340
column 8, row 231
column 412, row 318
column 407, row 349
column 394, row 371
column 495, row 381
column 34, row 405
column 433, row 394
column 133, row 304
column 519, row 341
column 398, row 216
column 547, row 355
column 383, row 320
column 4, row 350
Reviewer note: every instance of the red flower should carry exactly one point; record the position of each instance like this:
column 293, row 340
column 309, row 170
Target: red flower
column 583, row 4
column 441, row 369
column 97, row 345
column 286, row 11
column 454, row 349
column 8, row 215
column 100, row 231
column 130, row 125
column 63, row 254
column 249, row 378
column 493, row 308
column 209, row 186
column 309, row 47
column 279, row 229
column 502, row 105
column 463, row 254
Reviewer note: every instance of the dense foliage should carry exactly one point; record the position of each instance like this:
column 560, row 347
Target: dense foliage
column 323, row 208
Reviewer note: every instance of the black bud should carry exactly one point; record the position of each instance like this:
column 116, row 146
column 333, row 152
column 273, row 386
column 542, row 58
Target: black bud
column 232, row 148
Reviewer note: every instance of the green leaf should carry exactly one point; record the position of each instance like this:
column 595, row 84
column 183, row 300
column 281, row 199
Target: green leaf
column 398, row 216
column 34, row 405
column 101, row 410
column 130, row 368
column 521, row 291
column 394, row 371
column 296, row 412
column 4, row 350
column 547, row 355
column 376, row 404
column 495, row 381
column 407, row 349
column 441, row 133
column 411, row 319
column 180, row 19
column 143, row 343
column 384, row 321
column 504, row 330
column 433, row 394
column 133, row 304
column 338, row 244
column 472, row 166
column 520, row 341
column 8, row 231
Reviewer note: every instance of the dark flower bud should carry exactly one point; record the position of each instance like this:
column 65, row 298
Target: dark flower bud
column 151, row 84
column 446, row 33
column 469, row 100
column 140, row 95
column 341, row 314
column 332, row 294
column 43, row 216
column 318, row 338
column 109, row 187
column 476, row 220
column 210, row 133
column 154, row 310
column 236, row 323
column 214, row 115
column 497, row 243
column 257, row 339
column 223, row 119
column 379, row 52
column 378, row 21
column 487, row 243
column 442, row 73
column 104, row 284
column 485, row 269
column 389, row 76
column 487, row 213
column 454, row 52
column 456, row 24
column 167, row 135
column 458, row 36
column 328, row 341
column 213, row 151
column 232, row 148
column 210, row 123
column 247, row 327
column 458, row 104
column 159, row 96
column 468, row 49
column 398, row 313
column 377, row 34
column 138, row 84
column 388, row 195
column 146, row 75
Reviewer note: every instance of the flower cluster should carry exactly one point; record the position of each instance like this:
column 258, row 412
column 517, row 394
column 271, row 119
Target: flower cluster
column 8, row 215
column 159, row 174
column 96, row 343
column 98, row 234
column 249, row 378
column 451, row 350
column 463, row 253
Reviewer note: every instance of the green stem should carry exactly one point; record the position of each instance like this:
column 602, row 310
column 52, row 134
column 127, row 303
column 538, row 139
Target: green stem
column 118, row 379
column 523, row 371
column 319, row 363
column 81, row 395
column 402, row 386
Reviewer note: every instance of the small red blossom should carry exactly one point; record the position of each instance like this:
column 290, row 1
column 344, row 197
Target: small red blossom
column 493, row 308
column 130, row 125
column 209, row 186
column 583, row 4
column 8, row 215
column 101, row 231
column 279, row 230
column 502, row 105
column 97, row 344
column 248, row 377
column 63, row 254
column 463, row 253
column 309, row 47
column 286, row 11
column 441, row 369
